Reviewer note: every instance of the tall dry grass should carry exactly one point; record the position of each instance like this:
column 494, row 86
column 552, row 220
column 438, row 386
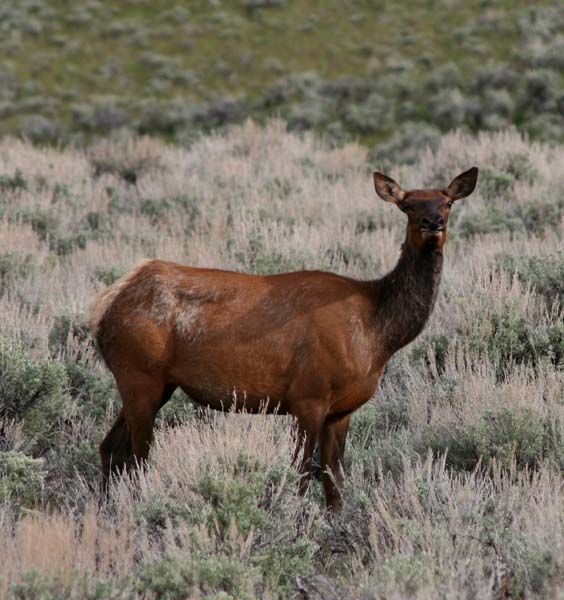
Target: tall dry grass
column 455, row 467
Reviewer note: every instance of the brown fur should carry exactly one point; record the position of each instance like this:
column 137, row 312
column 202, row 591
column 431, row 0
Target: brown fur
column 310, row 344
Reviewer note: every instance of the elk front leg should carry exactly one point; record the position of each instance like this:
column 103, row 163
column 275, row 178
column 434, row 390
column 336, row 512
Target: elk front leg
column 332, row 449
column 309, row 429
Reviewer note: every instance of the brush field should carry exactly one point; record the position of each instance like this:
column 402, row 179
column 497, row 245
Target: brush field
column 454, row 486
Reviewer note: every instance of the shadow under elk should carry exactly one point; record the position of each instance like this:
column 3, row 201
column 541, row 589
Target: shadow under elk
column 311, row 344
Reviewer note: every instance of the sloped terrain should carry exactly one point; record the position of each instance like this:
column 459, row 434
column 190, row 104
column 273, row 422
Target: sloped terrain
column 381, row 72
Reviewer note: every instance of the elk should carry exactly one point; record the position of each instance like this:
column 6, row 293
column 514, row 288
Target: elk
column 311, row 344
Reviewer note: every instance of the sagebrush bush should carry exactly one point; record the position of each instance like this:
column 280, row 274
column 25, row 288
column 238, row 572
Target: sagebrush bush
column 21, row 478
column 32, row 391
column 13, row 266
column 13, row 182
column 533, row 217
column 505, row 339
column 408, row 142
column 214, row 576
column 38, row 586
column 545, row 273
column 130, row 158
column 504, row 436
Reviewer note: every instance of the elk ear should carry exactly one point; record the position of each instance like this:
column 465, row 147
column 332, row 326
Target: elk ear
column 463, row 185
column 387, row 188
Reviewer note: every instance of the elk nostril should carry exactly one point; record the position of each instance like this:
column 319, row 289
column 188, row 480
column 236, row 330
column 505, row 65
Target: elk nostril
column 433, row 224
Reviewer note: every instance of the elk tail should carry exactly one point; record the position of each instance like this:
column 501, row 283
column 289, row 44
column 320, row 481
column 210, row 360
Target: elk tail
column 106, row 299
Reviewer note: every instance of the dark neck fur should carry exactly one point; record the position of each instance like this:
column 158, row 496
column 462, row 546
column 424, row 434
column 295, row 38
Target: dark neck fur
column 405, row 297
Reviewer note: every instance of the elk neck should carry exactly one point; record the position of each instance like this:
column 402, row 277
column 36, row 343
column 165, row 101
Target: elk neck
column 405, row 297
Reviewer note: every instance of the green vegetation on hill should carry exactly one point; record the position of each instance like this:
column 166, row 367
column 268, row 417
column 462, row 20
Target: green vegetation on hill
column 364, row 69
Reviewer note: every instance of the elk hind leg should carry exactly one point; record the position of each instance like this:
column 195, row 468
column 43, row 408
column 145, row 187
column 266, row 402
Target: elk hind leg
column 115, row 450
column 142, row 398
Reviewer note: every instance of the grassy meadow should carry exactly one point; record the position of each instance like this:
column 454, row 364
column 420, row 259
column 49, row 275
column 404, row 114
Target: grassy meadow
column 454, row 470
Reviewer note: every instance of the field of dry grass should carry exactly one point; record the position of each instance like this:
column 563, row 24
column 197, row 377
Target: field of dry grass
column 454, row 484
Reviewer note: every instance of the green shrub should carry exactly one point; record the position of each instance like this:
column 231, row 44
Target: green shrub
column 84, row 586
column 514, row 339
column 74, row 456
column 48, row 228
column 404, row 574
column 506, row 435
column 532, row 218
column 387, row 452
column 490, row 219
column 33, row 392
column 184, row 206
column 103, row 115
column 519, row 166
column 538, row 216
column 450, row 107
column 40, row 129
column 108, row 275
column 235, row 499
column 544, row 273
column 159, row 513
column 263, row 261
column 43, row 222
column 308, row 114
column 68, row 326
column 13, row 182
column 434, row 349
column 92, row 392
column 408, row 142
column 388, row 413
column 214, row 576
column 372, row 115
column 507, row 340
column 532, row 569
column 21, row 478
column 283, row 559
column 177, row 410
column 494, row 183
column 13, row 266
column 165, row 580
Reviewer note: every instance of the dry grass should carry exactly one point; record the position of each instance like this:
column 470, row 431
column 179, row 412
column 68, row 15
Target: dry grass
column 216, row 513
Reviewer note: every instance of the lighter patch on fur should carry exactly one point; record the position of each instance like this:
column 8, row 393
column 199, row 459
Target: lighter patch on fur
column 164, row 300
column 361, row 344
column 158, row 296
column 105, row 300
column 188, row 320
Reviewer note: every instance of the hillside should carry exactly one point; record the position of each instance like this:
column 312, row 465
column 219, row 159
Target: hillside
column 454, row 483
column 365, row 69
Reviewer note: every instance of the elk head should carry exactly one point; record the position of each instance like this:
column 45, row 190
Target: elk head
column 427, row 210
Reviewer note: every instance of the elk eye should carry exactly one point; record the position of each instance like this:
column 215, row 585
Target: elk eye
column 450, row 203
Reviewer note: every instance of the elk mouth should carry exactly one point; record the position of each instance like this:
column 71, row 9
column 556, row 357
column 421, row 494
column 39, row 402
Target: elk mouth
column 434, row 234
column 429, row 230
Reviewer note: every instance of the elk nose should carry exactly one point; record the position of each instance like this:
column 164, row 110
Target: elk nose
column 433, row 223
